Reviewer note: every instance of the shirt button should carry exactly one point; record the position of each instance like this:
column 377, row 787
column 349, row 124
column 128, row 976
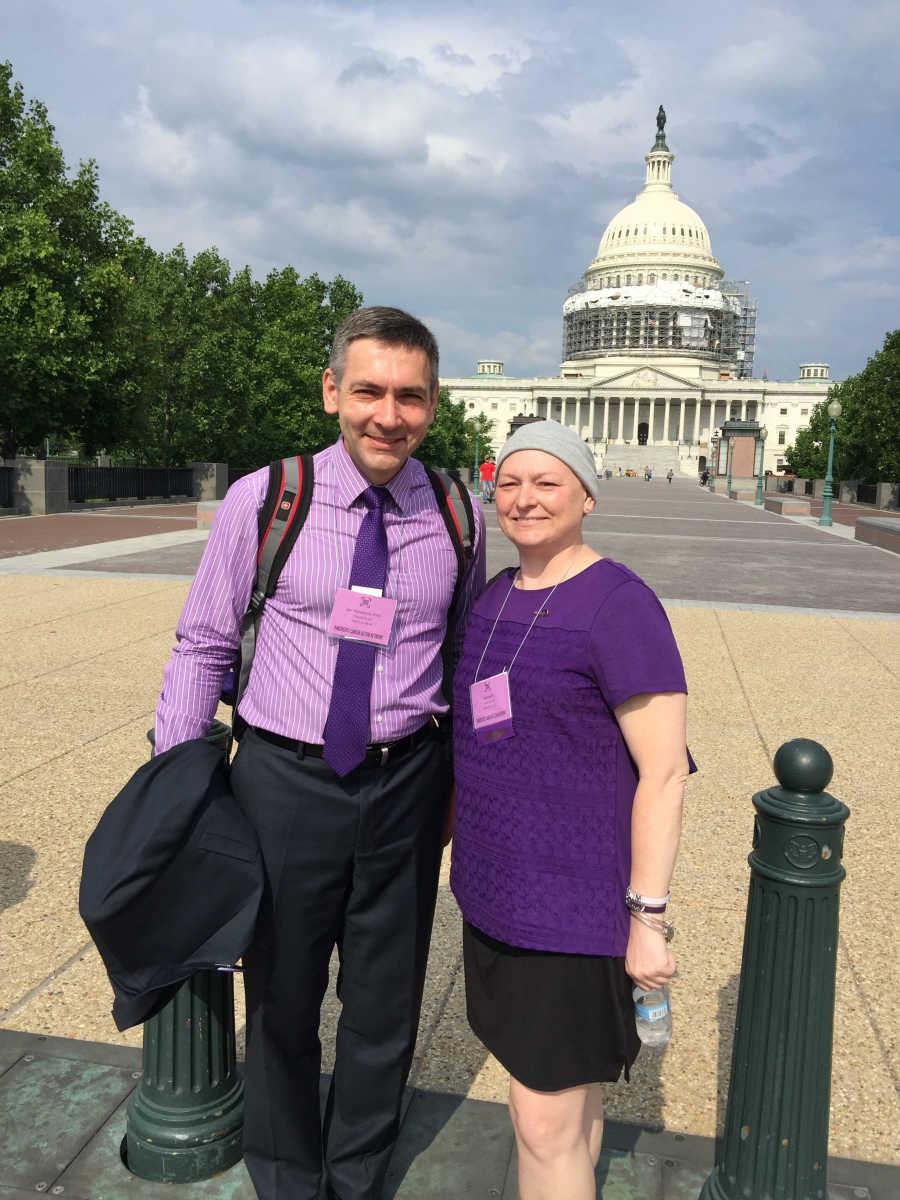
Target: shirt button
column 380, row 668
column 379, row 718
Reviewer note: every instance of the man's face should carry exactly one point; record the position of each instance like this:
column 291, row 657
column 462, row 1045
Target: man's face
column 384, row 404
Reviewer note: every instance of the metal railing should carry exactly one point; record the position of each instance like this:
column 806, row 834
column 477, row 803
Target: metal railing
column 236, row 473
column 6, row 486
column 866, row 493
column 129, row 483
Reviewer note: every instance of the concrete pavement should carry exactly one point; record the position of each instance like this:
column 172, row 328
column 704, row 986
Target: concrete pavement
column 81, row 657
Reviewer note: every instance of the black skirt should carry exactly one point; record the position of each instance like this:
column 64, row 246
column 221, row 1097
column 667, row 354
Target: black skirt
column 554, row 1021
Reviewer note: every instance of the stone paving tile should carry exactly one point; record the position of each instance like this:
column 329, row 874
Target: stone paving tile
column 755, row 679
column 32, row 535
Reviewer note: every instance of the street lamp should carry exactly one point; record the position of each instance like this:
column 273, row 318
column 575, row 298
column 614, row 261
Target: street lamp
column 834, row 411
column 476, row 478
column 763, row 434
column 730, row 456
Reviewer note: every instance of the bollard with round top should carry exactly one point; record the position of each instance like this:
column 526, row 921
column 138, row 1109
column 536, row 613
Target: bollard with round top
column 776, row 1125
column 185, row 1119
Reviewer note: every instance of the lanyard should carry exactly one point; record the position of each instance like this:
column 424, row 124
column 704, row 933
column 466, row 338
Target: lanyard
column 506, row 670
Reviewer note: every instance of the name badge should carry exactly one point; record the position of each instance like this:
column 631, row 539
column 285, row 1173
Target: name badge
column 492, row 709
column 362, row 616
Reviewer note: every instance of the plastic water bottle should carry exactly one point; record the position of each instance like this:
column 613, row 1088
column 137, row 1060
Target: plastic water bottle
column 653, row 1016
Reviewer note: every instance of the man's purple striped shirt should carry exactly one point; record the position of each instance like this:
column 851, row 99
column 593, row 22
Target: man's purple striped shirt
column 290, row 685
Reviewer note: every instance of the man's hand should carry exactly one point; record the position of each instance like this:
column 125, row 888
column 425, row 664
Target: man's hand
column 647, row 959
column 448, row 818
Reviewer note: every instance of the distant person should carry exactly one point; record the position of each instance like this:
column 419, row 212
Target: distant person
column 620, row 472
column 487, row 470
column 568, row 809
column 704, row 477
column 670, row 475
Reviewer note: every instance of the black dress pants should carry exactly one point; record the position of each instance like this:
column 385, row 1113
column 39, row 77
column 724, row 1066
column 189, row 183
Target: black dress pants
column 352, row 863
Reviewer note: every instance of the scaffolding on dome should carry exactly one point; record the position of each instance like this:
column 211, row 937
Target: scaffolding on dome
column 738, row 344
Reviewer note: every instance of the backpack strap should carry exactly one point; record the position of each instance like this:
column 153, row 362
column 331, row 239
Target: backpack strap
column 455, row 505
column 283, row 514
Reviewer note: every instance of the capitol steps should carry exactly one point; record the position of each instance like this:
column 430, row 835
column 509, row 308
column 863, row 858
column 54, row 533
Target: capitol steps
column 635, row 458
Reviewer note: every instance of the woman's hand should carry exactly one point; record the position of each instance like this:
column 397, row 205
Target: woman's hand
column 647, row 959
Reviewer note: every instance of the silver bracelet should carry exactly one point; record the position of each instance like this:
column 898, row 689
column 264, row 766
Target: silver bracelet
column 666, row 928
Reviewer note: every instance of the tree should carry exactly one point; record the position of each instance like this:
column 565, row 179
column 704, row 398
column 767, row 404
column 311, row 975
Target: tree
column 63, row 284
column 867, row 434
column 296, row 321
column 483, row 427
column 446, row 443
column 194, row 328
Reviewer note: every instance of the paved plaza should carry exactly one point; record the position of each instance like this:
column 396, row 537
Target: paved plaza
column 786, row 630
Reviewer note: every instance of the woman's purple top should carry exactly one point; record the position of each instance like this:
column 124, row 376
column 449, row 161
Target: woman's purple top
column 542, row 840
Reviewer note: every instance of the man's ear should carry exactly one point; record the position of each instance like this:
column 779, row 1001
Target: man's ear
column 329, row 392
column 433, row 404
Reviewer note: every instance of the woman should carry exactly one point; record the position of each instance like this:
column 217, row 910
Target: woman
column 570, row 706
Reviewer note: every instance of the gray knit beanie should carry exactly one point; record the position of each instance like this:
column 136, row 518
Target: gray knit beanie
column 560, row 441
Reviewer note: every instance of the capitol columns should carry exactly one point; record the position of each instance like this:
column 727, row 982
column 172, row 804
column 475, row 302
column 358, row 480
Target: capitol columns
column 682, row 413
column 651, row 404
column 666, row 421
column 591, row 414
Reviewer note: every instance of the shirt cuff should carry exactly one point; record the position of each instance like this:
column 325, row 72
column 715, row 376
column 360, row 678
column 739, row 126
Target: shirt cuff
column 174, row 727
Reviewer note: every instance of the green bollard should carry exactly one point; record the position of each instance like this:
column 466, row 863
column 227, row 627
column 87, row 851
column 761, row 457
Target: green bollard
column 776, row 1125
column 185, row 1119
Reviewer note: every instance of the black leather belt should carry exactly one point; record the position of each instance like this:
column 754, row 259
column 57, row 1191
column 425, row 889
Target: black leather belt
column 376, row 755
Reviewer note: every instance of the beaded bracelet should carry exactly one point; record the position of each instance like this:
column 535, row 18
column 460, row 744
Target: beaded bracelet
column 648, row 904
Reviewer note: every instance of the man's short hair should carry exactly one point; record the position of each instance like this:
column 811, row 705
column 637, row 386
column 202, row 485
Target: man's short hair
column 392, row 326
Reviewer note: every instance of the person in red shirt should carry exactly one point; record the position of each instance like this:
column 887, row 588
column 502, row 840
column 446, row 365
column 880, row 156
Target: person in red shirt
column 487, row 471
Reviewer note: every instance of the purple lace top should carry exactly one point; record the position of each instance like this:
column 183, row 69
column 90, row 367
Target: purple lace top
column 542, row 841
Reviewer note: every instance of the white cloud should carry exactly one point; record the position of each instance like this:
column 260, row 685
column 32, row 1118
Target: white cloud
column 464, row 160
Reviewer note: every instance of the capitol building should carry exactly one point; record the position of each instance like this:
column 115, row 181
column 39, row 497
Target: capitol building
column 658, row 348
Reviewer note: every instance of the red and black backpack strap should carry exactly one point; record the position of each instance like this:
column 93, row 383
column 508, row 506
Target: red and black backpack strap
column 455, row 505
column 281, row 518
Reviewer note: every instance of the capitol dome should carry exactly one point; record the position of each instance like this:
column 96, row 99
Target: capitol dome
column 657, row 237
column 654, row 285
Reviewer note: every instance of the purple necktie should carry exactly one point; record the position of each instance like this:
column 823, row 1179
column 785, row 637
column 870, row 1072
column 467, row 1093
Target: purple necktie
column 347, row 726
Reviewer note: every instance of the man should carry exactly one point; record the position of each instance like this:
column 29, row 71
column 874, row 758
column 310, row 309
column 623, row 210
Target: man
column 670, row 475
column 345, row 769
column 487, row 471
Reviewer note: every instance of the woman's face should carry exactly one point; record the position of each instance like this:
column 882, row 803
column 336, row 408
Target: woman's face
column 540, row 501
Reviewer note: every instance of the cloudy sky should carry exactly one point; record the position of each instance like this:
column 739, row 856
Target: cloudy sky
column 462, row 159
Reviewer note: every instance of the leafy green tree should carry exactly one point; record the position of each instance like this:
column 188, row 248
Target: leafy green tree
column 193, row 327
column 484, row 428
column 63, row 286
column 446, row 443
column 867, row 435
column 295, row 321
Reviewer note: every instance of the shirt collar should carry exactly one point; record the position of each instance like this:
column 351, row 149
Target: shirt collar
column 351, row 483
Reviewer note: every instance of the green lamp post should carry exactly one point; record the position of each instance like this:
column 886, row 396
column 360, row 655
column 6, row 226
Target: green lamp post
column 776, row 1123
column 835, row 409
column 711, row 482
column 729, row 459
column 476, row 477
column 763, row 434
